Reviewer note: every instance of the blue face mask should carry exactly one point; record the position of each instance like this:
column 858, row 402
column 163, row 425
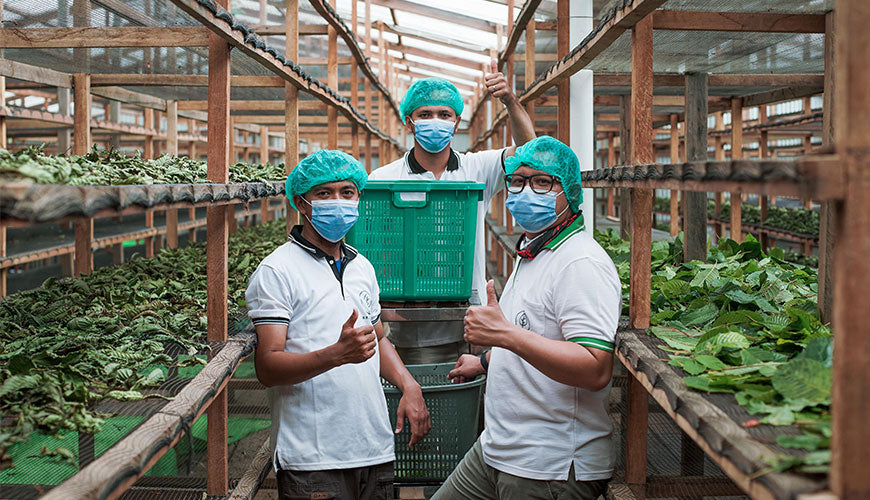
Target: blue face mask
column 333, row 218
column 433, row 135
column 533, row 212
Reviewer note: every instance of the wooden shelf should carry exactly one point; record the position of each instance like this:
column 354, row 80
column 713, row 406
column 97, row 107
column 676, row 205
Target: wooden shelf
column 744, row 458
column 25, row 203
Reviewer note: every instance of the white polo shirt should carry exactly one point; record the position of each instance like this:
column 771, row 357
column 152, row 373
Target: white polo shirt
column 338, row 419
column 537, row 427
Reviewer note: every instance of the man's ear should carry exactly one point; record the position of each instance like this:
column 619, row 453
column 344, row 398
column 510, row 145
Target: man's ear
column 458, row 121
column 301, row 205
column 408, row 125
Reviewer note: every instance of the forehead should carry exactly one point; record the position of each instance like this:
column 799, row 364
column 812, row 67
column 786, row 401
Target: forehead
column 527, row 170
column 434, row 109
column 334, row 186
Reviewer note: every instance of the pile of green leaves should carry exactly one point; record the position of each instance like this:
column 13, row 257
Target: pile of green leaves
column 797, row 220
column 115, row 168
column 71, row 343
column 745, row 323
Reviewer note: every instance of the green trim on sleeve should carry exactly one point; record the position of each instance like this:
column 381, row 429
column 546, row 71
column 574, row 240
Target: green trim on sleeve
column 593, row 342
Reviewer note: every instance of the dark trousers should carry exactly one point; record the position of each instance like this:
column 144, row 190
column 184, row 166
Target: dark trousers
column 374, row 482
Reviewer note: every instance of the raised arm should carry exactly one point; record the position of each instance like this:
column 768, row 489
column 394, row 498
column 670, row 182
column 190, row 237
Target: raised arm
column 276, row 367
column 522, row 127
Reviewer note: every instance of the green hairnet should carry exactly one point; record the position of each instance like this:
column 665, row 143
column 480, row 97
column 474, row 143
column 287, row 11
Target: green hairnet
column 321, row 167
column 554, row 157
column 431, row 92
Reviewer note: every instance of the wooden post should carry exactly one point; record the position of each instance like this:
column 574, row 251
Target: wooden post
column 368, row 163
column 675, row 158
column 5, row 271
column 736, row 154
column 828, row 218
column 82, row 113
column 291, row 103
column 332, row 81
column 611, row 162
column 63, row 135
column 219, row 136
column 763, row 154
column 850, row 411
column 149, row 240
column 641, row 233
column 4, row 143
column 695, row 208
column 84, row 254
column 718, row 155
column 148, row 148
column 624, row 158
column 172, row 150
column 563, row 112
column 530, row 65
column 264, row 144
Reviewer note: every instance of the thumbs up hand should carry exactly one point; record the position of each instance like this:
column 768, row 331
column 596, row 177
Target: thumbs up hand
column 486, row 325
column 497, row 85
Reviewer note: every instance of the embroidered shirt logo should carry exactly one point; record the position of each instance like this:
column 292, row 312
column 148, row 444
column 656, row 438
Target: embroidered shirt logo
column 522, row 320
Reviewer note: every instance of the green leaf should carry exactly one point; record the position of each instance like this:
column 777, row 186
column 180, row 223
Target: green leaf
column 675, row 338
column 780, row 416
column 820, row 349
column 738, row 317
column 700, row 316
column 710, row 362
column 804, row 379
column 708, row 274
column 704, row 383
column 741, row 297
column 728, row 340
column 803, row 441
column 688, row 364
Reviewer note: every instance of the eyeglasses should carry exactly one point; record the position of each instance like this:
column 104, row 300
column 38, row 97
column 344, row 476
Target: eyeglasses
column 540, row 183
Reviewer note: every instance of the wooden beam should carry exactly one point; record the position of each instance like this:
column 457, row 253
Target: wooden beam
column 457, row 59
column 253, row 105
column 219, row 137
column 349, row 37
column 622, row 19
column 269, row 61
column 526, row 14
column 641, row 234
column 768, row 22
column 437, row 13
column 828, row 216
column 332, row 81
column 850, row 411
column 280, row 29
column 127, row 12
column 695, row 207
column 437, row 39
column 36, row 74
column 563, row 125
column 82, row 114
column 675, row 158
column 84, row 253
column 89, row 37
column 291, row 103
column 129, row 97
column 736, row 154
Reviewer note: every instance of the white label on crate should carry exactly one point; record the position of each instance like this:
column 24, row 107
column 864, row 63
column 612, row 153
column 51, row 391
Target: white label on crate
column 413, row 196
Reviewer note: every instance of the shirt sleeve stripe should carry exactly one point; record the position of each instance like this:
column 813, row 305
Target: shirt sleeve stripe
column 592, row 342
column 270, row 321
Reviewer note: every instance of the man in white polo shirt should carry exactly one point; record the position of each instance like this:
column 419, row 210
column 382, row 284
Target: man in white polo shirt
column 548, row 434
column 321, row 349
column 430, row 111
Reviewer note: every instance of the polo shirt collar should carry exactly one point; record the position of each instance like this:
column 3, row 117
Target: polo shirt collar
column 552, row 238
column 348, row 252
column 414, row 166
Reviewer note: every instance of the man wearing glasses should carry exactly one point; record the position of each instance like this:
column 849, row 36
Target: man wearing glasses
column 548, row 434
column 430, row 110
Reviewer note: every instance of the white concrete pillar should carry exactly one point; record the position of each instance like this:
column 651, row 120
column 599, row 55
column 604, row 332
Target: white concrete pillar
column 582, row 121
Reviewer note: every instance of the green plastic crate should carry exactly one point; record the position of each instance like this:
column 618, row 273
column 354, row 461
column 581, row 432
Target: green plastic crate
column 419, row 236
column 454, row 411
